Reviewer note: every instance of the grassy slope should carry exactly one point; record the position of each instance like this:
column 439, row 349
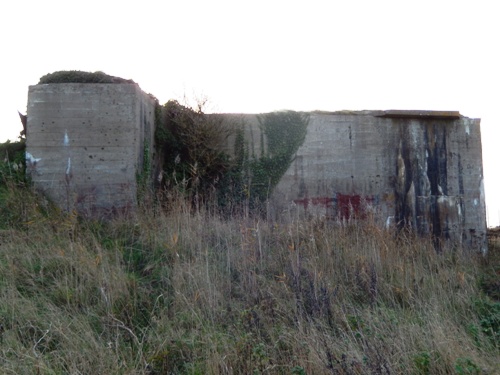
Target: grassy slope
column 173, row 292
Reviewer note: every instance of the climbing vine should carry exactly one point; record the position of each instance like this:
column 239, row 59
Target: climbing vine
column 282, row 135
column 196, row 159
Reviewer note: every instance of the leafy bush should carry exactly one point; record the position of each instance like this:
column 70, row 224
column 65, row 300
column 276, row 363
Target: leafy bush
column 488, row 312
column 12, row 180
column 192, row 148
column 12, row 162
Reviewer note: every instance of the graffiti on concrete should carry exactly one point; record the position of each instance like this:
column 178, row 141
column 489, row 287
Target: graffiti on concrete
column 341, row 206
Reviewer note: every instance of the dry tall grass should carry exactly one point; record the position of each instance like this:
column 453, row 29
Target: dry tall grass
column 182, row 293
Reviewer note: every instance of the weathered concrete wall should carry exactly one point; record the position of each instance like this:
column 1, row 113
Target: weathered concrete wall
column 421, row 169
column 86, row 144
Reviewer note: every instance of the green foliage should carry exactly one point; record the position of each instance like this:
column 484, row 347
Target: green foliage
column 260, row 358
column 177, row 357
column 195, row 158
column 12, row 162
column 465, row 366
column 298, row 370
column 12, row 178
column 282, row 133
column 77, row 76
column 161, row 133
column 422, row 362
column 488, row 313
column 285, row 132
column 192, row 145
column 490, row 280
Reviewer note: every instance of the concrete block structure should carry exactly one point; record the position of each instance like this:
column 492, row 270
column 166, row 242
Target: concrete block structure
column 87, row 143
column 419, row 169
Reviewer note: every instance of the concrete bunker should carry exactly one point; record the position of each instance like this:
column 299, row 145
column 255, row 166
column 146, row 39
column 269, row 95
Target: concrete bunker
column 88, row 142
column 417, row 169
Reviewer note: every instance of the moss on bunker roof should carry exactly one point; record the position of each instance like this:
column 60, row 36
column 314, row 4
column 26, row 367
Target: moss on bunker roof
column 78, row 76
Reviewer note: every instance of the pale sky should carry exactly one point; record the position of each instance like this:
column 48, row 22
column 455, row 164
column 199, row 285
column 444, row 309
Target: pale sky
column 259, row 56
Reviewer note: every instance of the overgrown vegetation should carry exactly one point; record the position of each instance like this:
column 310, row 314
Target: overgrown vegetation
column 194, row 155
column 78, row 76
column 12, row 179
column 192, row 147
column 177, row 292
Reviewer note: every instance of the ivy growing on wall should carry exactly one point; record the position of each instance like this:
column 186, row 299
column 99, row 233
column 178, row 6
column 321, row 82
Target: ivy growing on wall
column 195, row 156
column 282, row 133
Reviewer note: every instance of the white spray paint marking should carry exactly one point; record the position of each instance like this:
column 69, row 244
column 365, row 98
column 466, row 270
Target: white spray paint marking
column 68, row 168
column 389, row 221
column 32, row 160
column 66, row 138
column 476, row 202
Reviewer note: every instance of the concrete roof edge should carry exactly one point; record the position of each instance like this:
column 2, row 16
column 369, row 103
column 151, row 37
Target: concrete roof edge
column 392, row 113
column 397, row 113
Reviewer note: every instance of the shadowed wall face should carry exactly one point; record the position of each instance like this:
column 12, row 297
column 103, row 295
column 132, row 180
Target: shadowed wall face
column 86, row 144
column 421, row 170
